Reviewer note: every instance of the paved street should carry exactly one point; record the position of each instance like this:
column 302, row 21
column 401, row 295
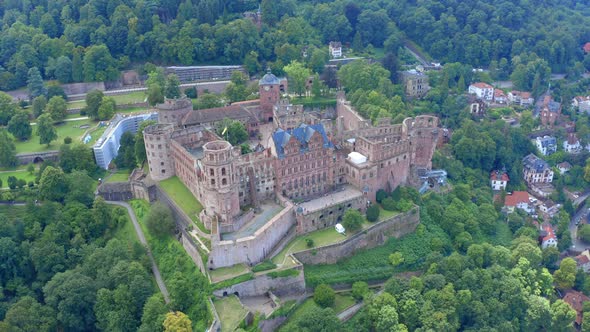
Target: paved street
column 581, row 215
column 143, row 241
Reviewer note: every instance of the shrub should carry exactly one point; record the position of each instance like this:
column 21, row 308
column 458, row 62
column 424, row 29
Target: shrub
column 309, row 243
column 324, row 295
column 283, row 273
column 67, row 140
column 359, row 290
column 266, row 265
column 373, row 213
column 159, row 221
column 353, row 220
column 381, row 195
column 233, row 281
column 388, row 204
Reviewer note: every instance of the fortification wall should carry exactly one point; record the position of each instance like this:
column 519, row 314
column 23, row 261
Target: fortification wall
column 374, row 236
column 27, row 158
column 262, row 284
column 351, row 120
column 191, row 249
column 115, row 191
column 255, row 248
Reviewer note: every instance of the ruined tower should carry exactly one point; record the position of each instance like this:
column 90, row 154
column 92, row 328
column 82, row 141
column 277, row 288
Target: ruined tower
column 158, row 150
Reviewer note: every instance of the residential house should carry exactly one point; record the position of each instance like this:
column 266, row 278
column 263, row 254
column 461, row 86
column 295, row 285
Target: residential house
column 572, row 144
column 477, row 106
column 583, row 261
column 576, row 300
column 482, row 90
column 563, row 167
column 542, row 189
column 549, row 238
column 546, row 145
column 415, row 83
column 518, row 200
column 335, row 49
column 581, row 103
column 500, row 96
column 550, row 111
column 520, row 98
column 536, row 170
column 499, row 180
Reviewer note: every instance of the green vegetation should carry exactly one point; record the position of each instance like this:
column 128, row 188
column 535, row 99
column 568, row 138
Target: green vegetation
column 122, row 99
column 185, row 200
column 283, row 273
column 121, row 175
column 233, row 281
column 64, row 129
column 224, row 273
column 231, row 313
column 320, row 238
column 266, row 265
column 187, row 286
column 342, row 301
column 19, row 174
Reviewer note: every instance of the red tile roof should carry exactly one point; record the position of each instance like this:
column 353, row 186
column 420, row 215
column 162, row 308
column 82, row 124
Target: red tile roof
column 498, row 175
column 572, row 139
column 582, row 259
column 564, row 164
column 516, row 197
column 499, row 93
column 482, row 85
column 587, row 47
column 550, row 235
column 576, row 301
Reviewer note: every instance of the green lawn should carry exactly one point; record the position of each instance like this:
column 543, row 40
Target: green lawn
column 19, row 174
column 229, row 272
column 64, row 129
column 384, row 214
column 342, row 301
column 121, row 175
column 231, row 313
column 95, row 135
column 320, row 238
column 129, row 98
column 185, row 199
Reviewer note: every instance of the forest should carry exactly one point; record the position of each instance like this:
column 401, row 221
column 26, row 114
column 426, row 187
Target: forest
column 84, row 41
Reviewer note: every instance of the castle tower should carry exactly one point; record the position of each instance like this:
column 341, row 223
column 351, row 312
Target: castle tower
column 269, row 89
column 220, row 187
column 158, row 150
column 423, row 133
column 173, row 110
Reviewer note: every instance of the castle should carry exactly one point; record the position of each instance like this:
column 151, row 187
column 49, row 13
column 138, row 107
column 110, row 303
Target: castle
column 309, row 169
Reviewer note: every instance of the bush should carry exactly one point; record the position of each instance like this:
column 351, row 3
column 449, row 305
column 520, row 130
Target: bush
column 309, row 243
column 67, row 140
column 324, row 296
column 373, row 213
column 388, row 204
column 353, row 220
column 191, row 92
column 160, row 221
column 233, row 281
column 283, row 273
column 359, row 290
column 381, row 195
column 584, row 233
column 266, row 265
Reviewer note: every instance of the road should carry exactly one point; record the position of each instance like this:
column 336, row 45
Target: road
column 143, row 241
column 581, row 215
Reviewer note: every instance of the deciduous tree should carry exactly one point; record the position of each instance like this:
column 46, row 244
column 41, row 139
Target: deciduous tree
column 7, row 149
column 58, row 108
column 45, row 129
column 19, row 126
column 324, row 295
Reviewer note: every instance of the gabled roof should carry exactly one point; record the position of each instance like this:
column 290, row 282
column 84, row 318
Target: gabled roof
column 550, row 234
column 564, row 165
column 516, row 198
column 303, row 134
column 535, row 163
column 572, row 139
column 586, row 47
column 499, row 176
column 482, row 85
column 576, row 300
column 499, row 93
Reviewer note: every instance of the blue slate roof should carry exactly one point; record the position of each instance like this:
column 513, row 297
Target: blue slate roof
column 533, row 162
column 548, row 141
column 269, row 79
column 303, row 134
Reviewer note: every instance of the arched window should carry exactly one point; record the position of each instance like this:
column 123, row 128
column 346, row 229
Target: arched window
column 223, row 171
column 212, row 182
column 211, row 172
column 223, row 181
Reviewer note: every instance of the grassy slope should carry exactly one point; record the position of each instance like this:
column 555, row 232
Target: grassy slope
column 184, row 198
column 63, row 129
column 231, row 313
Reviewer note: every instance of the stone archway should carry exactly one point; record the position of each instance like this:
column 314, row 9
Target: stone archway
column 38, row 160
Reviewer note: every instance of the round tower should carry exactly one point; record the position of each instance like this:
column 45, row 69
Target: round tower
column 157, row 148
column 269, row 89
column 173, row 110
column 220, row 183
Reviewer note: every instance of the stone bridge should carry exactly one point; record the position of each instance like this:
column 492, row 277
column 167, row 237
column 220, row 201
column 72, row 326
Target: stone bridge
column 37, row 157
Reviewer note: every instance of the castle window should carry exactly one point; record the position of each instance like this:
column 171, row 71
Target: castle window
column 223, row 181
column 163, row 171
column 212, row 182
column 211, row 172
column 223, row 171
column 161, row 163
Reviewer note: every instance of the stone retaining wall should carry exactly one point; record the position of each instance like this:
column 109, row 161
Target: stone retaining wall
column 262, row 284
column 371, row 237
column 27, row 158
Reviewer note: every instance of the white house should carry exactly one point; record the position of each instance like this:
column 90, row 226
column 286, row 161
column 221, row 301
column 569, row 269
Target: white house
column 482, row 90
column 521, row 98
column 499, row 180
column 335, row 49
column 572, row 144
column 549, row 240
column 563, row 167
column 518, row 200
column 547, row 145
column 582, row 103
column 500, row 96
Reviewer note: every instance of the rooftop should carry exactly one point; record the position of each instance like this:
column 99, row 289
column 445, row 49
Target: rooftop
column 269, row 209
column 303, row 134
column 345, row 194
column 482, row 85
column 576, row 300
column 269, row 78
column 516, row 198
column 533, row 162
